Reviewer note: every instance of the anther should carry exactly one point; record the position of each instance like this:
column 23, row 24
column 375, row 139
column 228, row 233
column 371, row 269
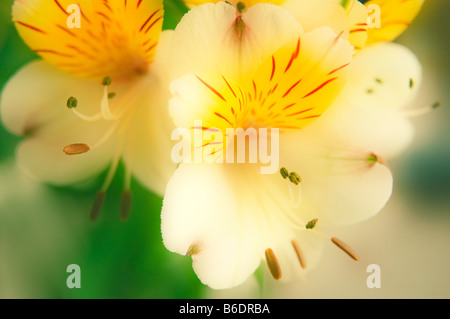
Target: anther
column 240, row 7
column 111, row 95
column 436, row 105
column 74, row 149
column 312, row 223
column 125, row 205
column 273, row 264
column 192, row 250
column 284, row 172
column 72, row 102
column 345, row 248
column 97, row 205
column 107, row 81
column 411, row 83
column 299, row 254
column 378, row 80
column 373, row 159
column 295, row 178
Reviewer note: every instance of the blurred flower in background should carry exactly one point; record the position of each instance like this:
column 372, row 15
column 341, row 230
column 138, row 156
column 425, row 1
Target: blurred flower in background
column 43, row 229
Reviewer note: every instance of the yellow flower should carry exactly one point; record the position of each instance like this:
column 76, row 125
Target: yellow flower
column 97, row 95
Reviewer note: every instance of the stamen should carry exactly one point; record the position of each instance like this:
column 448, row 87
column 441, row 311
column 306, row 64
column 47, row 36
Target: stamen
column 192, row 250
column 125, row 205
column 106, row 81
column 273, row 264
column 411, row 83
column 373, row 159
column 421, row 111
column 299, row 254
column 240, row 7
column 72, row 102
column 345, row 248
column 295, row 200
column 295, row 178
column 74, row 149
column 104, row 105
column 97, row 205
column 312, row 223
column 284, row 172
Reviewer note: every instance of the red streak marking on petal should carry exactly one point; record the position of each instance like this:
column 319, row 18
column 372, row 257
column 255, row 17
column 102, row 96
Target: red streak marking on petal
column 289, row 106
column 153, row 23
column 30, row 27
column 204, row 128
column 222, row 117
column 60, row 6
column 103, row 15
column 291, row 88
column 148, row 20
column 229, row 86
column 358, row 30
column 339, row 68
column 138, row 4
column 53, row 52
column 274, row 65
column 297, row 113
column 211, row 88
column 319, row 87
column 255, row 90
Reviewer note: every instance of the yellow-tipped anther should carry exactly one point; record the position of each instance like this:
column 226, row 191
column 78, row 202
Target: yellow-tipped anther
column 345, row 248
column 125, row 205
column 295, row 178
column 97, row 205
column 74, row 149
column 273, row 264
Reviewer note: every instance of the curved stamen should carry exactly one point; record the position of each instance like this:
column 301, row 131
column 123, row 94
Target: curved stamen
column 421, row 111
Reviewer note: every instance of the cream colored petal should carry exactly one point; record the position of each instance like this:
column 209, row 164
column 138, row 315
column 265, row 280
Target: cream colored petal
column 344, row 180
column 214, row 38
column 42, row 113
column 384, row 76
column 200, row 217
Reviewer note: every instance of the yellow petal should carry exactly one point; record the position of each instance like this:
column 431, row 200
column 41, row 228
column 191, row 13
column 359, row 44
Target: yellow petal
column 357, row 16
column 396, row 15
column 115, row 38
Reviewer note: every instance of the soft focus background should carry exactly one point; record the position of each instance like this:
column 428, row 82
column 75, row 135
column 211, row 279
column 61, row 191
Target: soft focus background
column 44, row 228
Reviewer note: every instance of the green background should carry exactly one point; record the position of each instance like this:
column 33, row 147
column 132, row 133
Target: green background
column 46, row 228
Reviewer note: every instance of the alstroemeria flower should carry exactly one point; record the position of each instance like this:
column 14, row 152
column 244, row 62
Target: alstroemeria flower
column 110, row 76
column 260, row 69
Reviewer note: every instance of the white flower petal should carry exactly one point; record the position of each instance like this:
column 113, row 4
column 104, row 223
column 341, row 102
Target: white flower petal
column 200, row 211
column 208, row 39
column 340, row 185
column 43, row 113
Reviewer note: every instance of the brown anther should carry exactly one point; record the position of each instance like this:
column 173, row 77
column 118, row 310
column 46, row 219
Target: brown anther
column 125, row 205
column 345, row 248
column 273, row 264
column 299, row 254
column 74, row 149
column 192, row 250
column 97, row 205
